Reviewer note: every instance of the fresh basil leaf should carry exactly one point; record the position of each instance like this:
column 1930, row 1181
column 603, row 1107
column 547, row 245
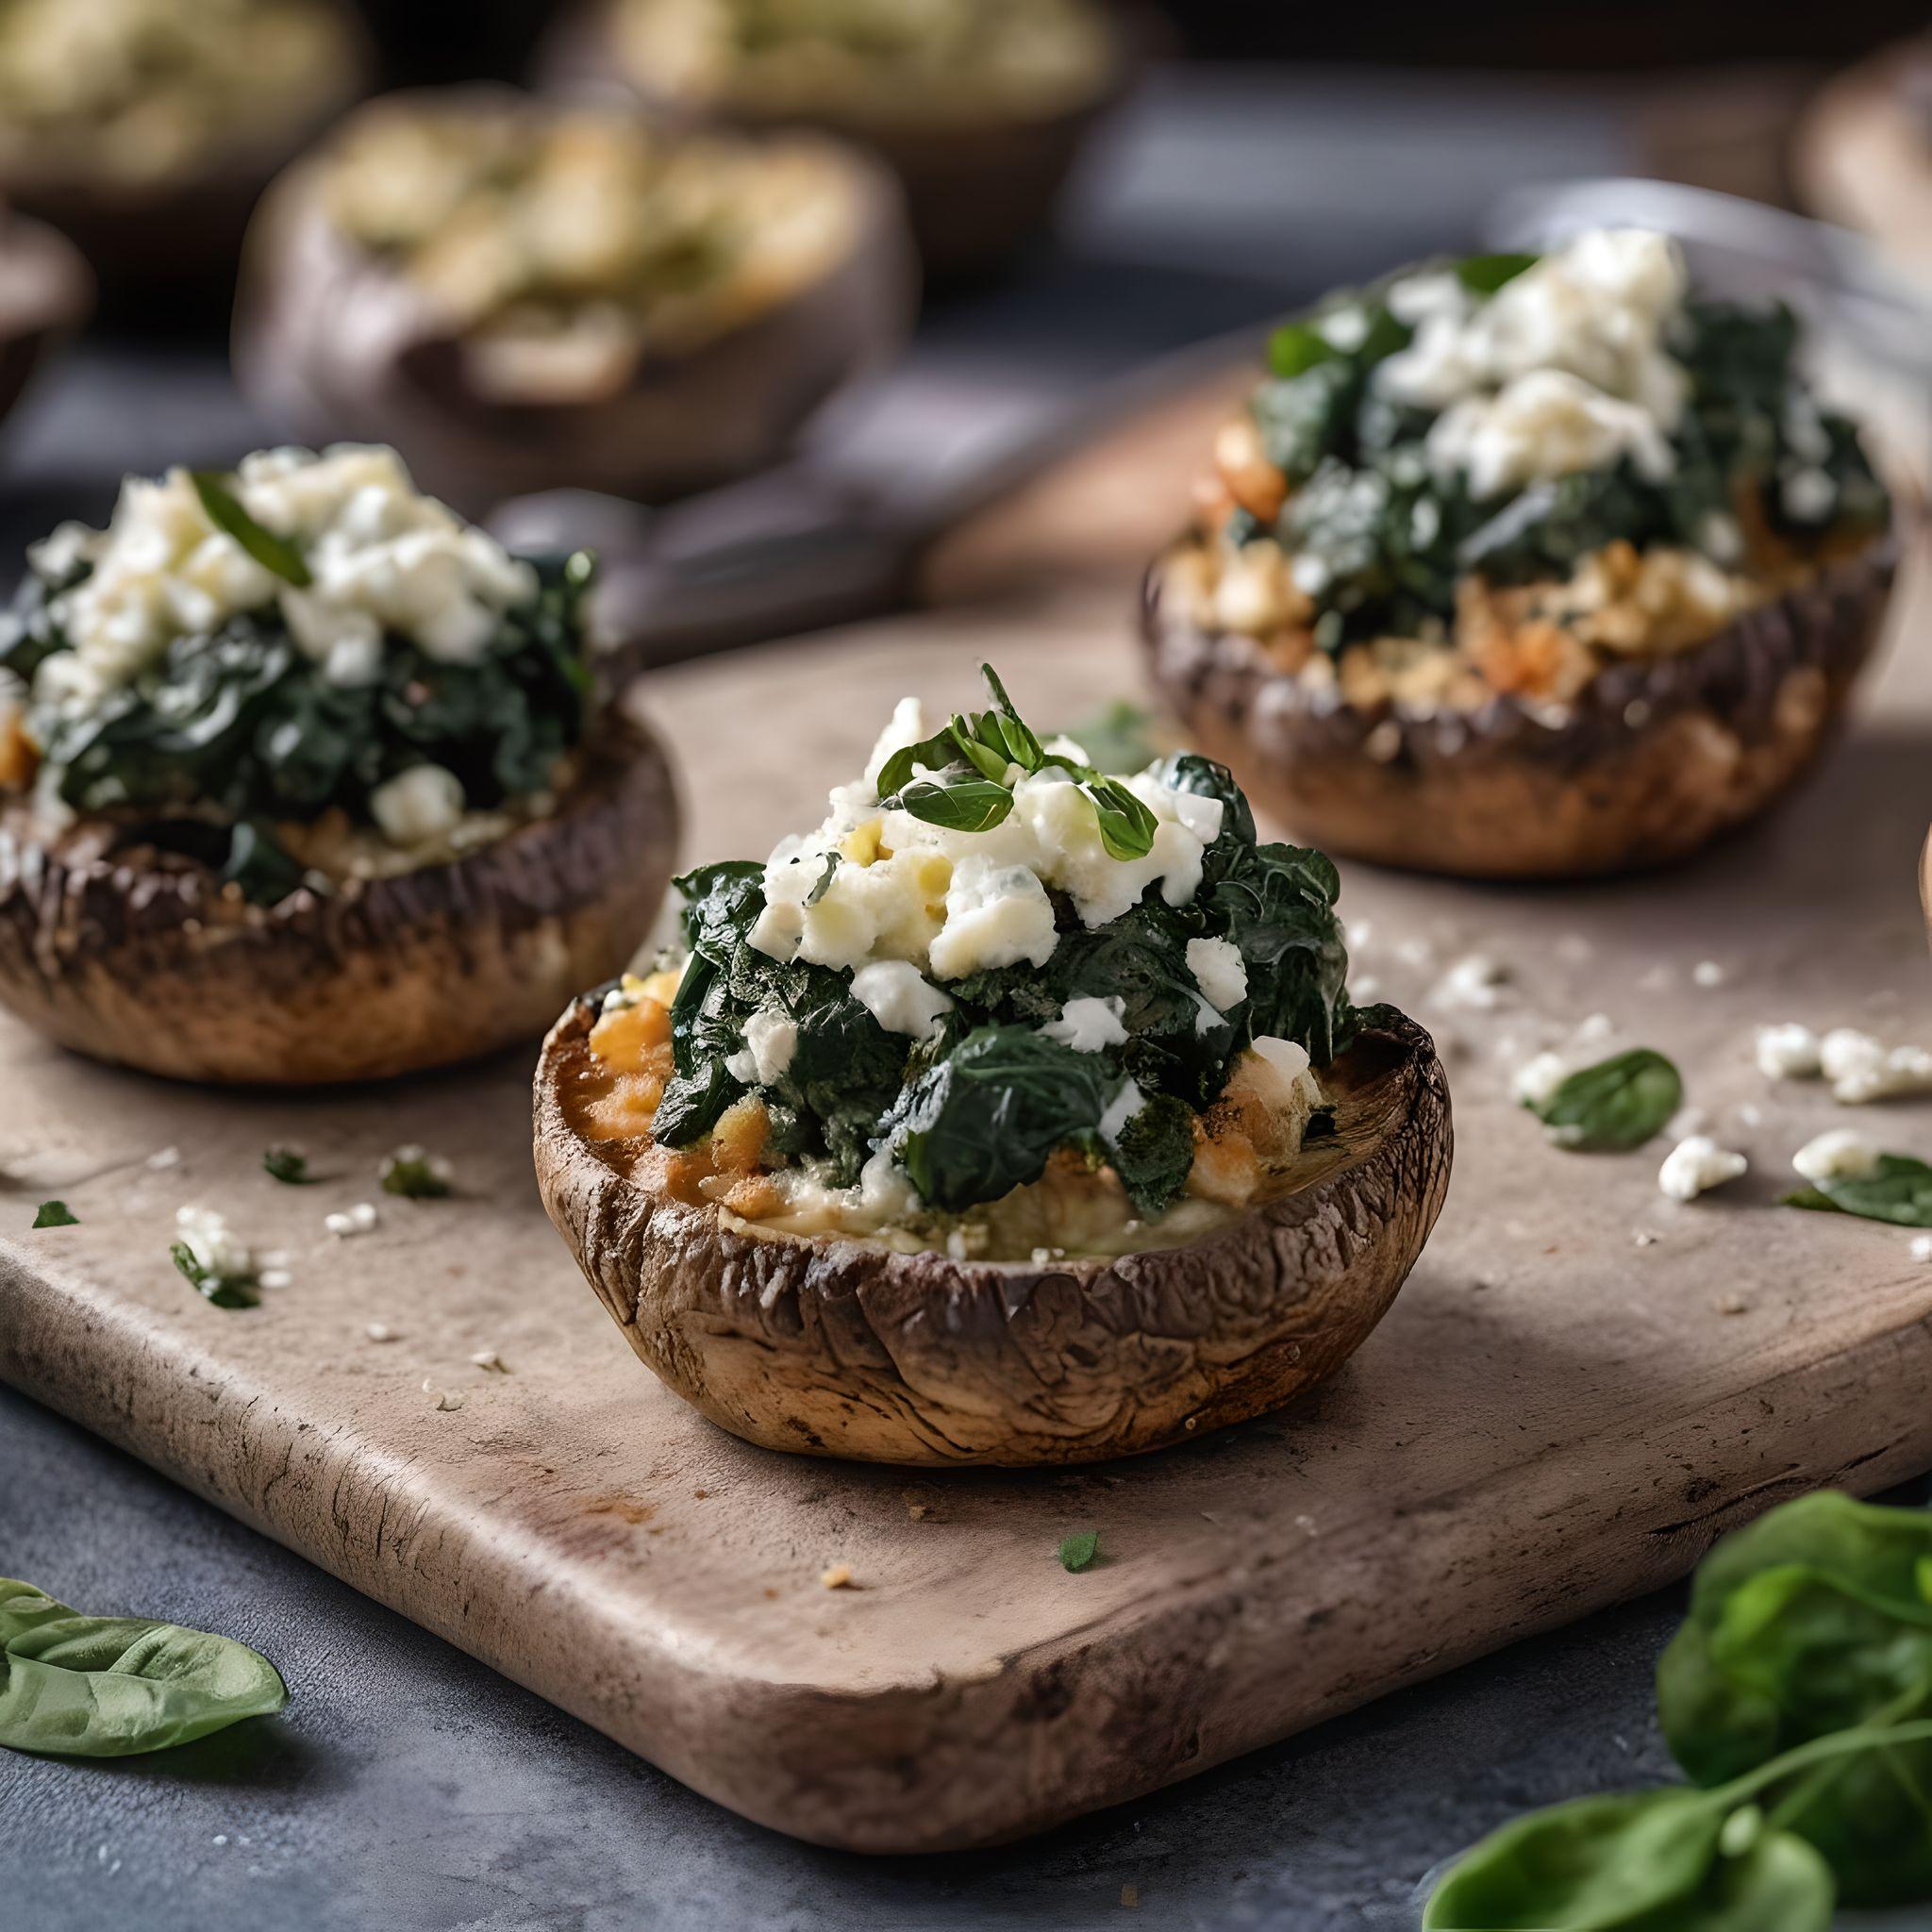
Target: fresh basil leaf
column 932, row 754
column 1295, row 348
column 1483, row 275
column 824, row 883
column 226, row 512
column 1077, row 1552
column 961, row 805
column 1898, row 1190
column 110, row 1687
column 1126, row 826
column 1014, row 735
column 988, row 761
column 54, row 1214
column 1616, row 1105
column 288, row 1165
column 223, row 1291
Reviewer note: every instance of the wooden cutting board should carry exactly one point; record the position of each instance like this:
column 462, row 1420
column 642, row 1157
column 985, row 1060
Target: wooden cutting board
column 1581, row 1385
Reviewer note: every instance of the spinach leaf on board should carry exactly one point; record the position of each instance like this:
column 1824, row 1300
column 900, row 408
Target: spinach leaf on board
column 1898, row 1190
column 289, row 1165
column 54, row 1214
column 1616, row 1105
column 223, row 1291
column 1077, row 1552
column 1815, row 1618
column 108, row 1687
column 1653, row 1861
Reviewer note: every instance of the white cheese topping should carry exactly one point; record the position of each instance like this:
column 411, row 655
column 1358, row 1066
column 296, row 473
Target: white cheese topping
column 1089, row 1025
column 1286, row 1060
column 1695, row 1166
column 900, row 997
column 1564, row 368
column 1220, row 973
column 953, row 902
column 1861, row 1069
column 771, row 1037
column 208, row 1236
column 419, row 805
column 1837, row 1156
column 1788, row 1052
column 384, row 558
column 1121, row 1109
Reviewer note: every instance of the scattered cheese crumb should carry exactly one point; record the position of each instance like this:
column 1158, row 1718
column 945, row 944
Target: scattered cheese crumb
column 1538, row 1079
column 1788, row 1052
column 441, row 1398
column 1697, row 1164
column 1837, row 1156
column 1732, row 1304
column 1921, row 1247
column 273, row 1278
column 489, row 1359
column 1861, row 1070
column 358, row 1220
column 837, row 1577
column 380, row 1331
column 1644, row 1237
column 1474, row 984
column 167, row 1157
column 1707, row 973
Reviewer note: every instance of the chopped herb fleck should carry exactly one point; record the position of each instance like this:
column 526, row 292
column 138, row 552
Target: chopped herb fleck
column 1078, row 1551
column 54, row 1214
column 415, row 1174
column 289, row 1165
column 223, row 1291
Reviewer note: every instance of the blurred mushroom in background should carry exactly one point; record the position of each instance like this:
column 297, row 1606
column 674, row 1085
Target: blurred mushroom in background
column 979, row 107
column 146, row 130
column 521, row 295
column 1863, row 153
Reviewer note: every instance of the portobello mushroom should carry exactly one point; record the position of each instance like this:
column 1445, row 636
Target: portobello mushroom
column 146, row 130
column 1521, row 569
column 1078, row 1149
column 303, row 780
column 521, row 295
column 979, row 107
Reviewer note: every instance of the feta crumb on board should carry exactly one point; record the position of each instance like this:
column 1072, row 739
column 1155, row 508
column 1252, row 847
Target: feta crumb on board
column 1788, row 1052
column 1474, row 984
column 1862, row 1069
column 1696, row 1165
column 356, row 1220
column 1921, row 1247
column 1839, row 1154
column 216, row 1248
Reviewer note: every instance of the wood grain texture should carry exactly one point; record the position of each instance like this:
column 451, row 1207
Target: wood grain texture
column 1551, row 1417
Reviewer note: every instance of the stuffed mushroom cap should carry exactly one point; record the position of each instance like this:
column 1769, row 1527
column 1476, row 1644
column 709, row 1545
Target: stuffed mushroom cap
column 979, row 107
column 521, row 294
column 302, row 779
column 849, row 1347
column 1525, row 568
column 145, row 128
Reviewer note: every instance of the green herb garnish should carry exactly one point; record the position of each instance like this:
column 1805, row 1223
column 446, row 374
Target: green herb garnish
column 415, row 1174
column 1616, row 1105
column 223, row 1291
column 1483, row 275
column 289, row 1165
column 1898, row 1190
column 1078, row 1551
column 54, row 1214
column 226, row 512
column 109, row 1687
column 1796, row 1697
column 974, row 758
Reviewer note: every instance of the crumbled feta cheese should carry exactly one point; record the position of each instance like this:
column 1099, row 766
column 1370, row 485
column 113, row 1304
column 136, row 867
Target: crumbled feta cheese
column 1474, row 984
column 1697, row 1164
column 1119, row 1110
column 419, row 805
column 1220, row 973
column 1861, row 1070
column 1089, row 1025
column 1788, row 1052
column 274, row 1277
column 382, row 558
column 1538, row 1079
column 164, row 1159
column 1708, row 974
column 996, row 915
column 1544, row 425
column 215, row 1247
column 771, row 1037
column 1839, row 1154
column 1921, row 1248
column 357, row 1219
column 900, row 997
column 380, row 1331
column 1286, row 1060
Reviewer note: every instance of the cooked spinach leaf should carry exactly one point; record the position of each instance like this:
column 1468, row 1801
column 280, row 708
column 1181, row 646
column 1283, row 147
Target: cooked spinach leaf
column 109, row 1687
column 289, row 1165
column 1615, row 1105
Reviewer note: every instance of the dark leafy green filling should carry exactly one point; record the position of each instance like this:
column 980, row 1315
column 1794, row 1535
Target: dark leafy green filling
column 241, row 724
column 980, row 1108
column 1393, row 539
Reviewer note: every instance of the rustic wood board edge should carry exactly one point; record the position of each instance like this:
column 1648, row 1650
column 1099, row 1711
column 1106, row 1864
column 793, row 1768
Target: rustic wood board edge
column 1233, row 1659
